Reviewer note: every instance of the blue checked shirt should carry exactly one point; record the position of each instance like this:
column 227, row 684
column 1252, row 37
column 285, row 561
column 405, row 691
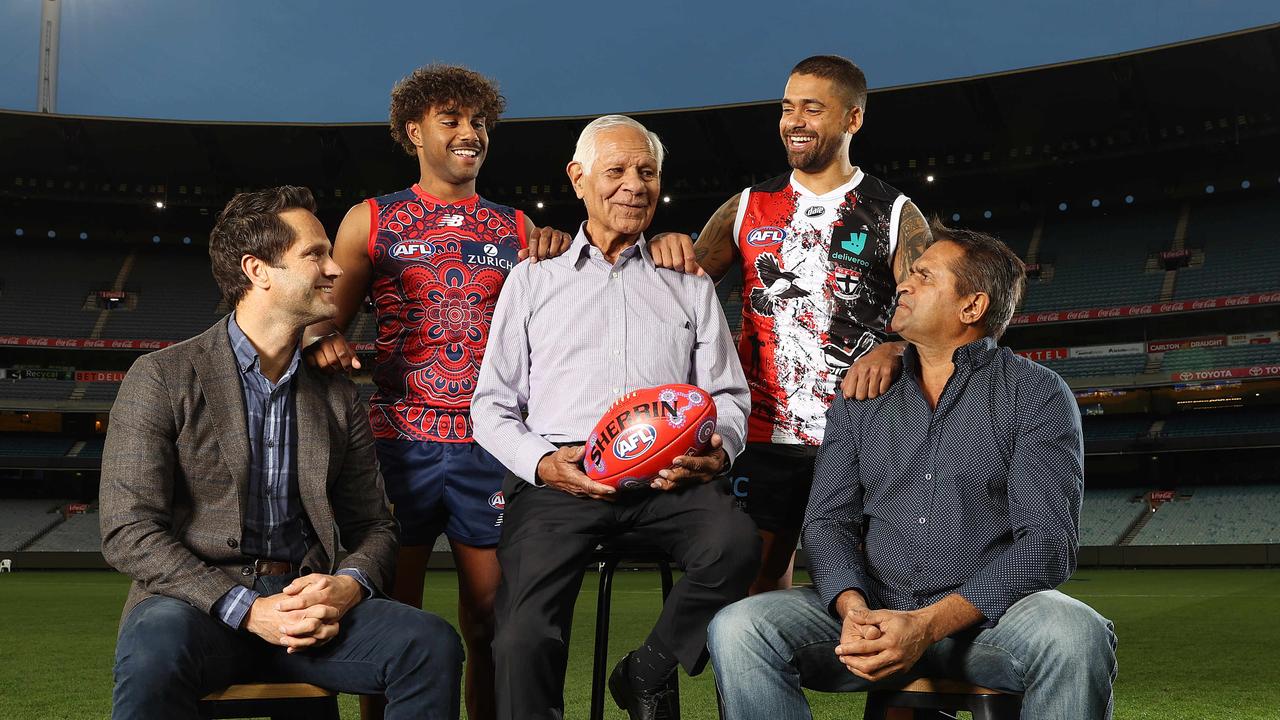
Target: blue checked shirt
column 978, row 497
column 275, row 526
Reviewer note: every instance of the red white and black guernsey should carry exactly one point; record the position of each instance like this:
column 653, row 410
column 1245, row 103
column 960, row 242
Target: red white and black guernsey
column 437, row 270
column 817, row 293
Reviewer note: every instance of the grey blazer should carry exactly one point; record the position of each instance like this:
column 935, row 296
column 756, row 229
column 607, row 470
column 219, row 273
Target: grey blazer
column 175, row 473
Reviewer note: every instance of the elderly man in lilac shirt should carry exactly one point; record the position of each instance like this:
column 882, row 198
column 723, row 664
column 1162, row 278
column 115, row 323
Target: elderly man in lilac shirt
column 569, row 336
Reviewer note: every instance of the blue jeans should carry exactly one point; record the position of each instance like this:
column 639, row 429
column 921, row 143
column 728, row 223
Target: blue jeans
column 169, row 655
column 1054, row 650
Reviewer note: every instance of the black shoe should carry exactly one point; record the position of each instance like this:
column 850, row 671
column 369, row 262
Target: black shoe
column 642, row 705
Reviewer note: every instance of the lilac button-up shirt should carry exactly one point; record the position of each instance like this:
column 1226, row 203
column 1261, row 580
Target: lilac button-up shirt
column 573, row 333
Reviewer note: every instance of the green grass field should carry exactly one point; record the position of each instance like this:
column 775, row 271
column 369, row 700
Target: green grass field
column 1193, row 643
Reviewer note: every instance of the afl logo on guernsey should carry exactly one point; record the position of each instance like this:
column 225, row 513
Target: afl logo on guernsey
column 766, row 236
column 411, row 250
column 497, row 501
column 634, row 441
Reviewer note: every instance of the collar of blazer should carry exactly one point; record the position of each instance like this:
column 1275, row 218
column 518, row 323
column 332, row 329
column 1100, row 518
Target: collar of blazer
column 215, row 366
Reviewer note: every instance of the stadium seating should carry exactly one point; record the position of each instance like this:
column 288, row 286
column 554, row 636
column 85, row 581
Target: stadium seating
column 45, row 287
column 1221, row 357
column 1107, row 513
column 1098, row 366
column 36, row 389
column 176, row 296
column 79, row 533
column 1222, row 422
column 1235, row 514
column 1119, row 427
column 1239, row 240
column 1101, row 262
column 33, row 445
column 22, row 520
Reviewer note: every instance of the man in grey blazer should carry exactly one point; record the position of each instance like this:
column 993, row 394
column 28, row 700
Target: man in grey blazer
column 231, row 473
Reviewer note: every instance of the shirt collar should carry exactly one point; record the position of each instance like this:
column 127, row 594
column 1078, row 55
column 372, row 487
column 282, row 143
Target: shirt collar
column 247, row 359
column 974, row 355
column 581, row 246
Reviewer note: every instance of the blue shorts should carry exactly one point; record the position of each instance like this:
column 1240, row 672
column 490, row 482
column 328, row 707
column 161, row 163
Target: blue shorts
column 434, row 487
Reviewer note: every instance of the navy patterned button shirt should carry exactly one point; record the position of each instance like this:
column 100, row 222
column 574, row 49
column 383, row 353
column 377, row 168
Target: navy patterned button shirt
column 980, row 496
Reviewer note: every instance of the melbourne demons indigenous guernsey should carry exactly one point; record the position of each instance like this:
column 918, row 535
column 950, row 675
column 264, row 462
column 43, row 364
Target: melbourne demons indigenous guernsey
column 437, row 270
column 817, row 294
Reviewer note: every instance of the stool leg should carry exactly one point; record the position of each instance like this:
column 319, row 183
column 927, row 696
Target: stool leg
column 876, row 707
column 1001, row 707
column 600, row 666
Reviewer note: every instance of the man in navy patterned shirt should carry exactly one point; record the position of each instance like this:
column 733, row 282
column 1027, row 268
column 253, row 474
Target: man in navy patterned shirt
column 943, row 515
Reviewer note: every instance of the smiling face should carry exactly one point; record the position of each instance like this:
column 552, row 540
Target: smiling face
column 816, row 124
column 301, row 282
column 622, row 186
column 451, row 142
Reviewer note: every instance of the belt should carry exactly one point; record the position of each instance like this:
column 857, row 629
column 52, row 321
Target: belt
column 272, row 567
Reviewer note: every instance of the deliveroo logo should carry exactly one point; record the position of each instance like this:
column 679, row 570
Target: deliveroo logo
column 854, row 243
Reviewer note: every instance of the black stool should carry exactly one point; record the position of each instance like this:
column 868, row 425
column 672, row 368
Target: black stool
column 921, row 699
column 278, row 701
column 617, row 550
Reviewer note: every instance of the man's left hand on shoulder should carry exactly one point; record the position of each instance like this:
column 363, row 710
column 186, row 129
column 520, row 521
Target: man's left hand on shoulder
column 872, row 374
column 545, row 242
column 688, row 469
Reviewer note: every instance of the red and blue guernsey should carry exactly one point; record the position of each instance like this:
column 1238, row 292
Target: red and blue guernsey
column 437, row 270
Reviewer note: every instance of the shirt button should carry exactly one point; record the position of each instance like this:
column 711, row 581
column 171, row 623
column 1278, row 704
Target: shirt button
column 928, row 476
column 615, row 275
column 922, row 521
column 231, row 543
column 615, row 391
column 246, row 571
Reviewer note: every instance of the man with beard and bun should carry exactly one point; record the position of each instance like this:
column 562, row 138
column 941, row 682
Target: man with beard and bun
column 434, row 257
column 821, row 250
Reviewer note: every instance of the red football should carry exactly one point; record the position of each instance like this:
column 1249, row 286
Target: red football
column 643, row 431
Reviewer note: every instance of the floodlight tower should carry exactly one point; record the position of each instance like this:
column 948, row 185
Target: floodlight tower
column 50, row 28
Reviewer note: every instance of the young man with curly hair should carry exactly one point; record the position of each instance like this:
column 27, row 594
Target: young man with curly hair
column 433, row 257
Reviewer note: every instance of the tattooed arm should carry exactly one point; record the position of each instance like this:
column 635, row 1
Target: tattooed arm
column 913, row 236
column 875, row 371
column 715, row 252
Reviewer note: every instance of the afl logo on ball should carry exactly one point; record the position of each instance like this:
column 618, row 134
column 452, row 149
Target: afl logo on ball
column 634, row 441
column 497, row 502
column 765, row 236
column 411, row 250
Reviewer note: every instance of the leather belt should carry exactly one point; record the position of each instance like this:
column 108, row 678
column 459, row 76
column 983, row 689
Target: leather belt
column 272, row 567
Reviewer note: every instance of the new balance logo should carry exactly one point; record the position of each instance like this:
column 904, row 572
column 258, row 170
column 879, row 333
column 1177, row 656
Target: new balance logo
column 451, row 221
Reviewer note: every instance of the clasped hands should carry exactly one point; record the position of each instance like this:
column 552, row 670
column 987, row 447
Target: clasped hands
column 306, row 613
column 876, row 644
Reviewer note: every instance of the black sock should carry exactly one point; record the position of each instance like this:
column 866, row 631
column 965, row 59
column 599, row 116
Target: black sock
column 651, row 664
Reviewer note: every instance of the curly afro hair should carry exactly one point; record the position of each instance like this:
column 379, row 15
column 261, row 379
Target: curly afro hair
column 442, row 85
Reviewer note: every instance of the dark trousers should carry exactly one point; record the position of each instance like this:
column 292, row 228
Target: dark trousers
column 169, row 655
column 547, row 538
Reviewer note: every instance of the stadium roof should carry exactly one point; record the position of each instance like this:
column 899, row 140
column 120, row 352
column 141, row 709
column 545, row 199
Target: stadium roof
column 1216, row 92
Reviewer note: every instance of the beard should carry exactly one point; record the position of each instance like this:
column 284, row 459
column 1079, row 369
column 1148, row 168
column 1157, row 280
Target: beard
column 814, row 158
